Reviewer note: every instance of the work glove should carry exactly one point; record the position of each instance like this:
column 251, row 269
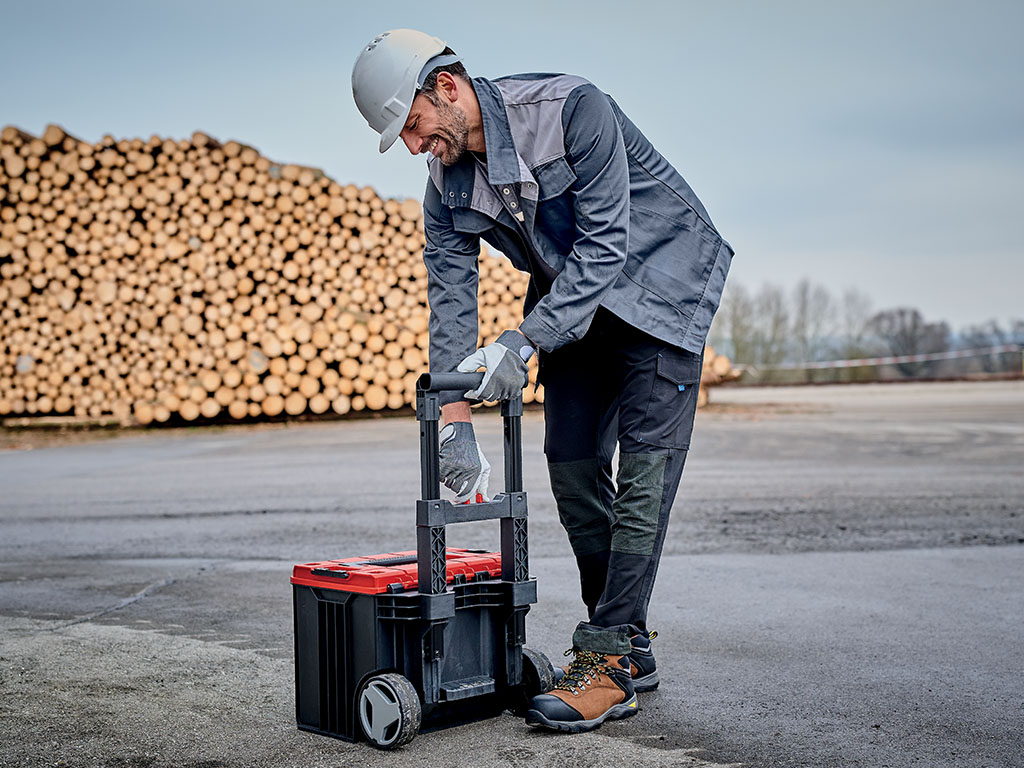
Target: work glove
column 505, row 361
column 463, row 466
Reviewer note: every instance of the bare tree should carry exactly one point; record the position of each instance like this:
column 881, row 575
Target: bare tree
column 905, row 332
column 807, row 324
column 989, row 334
column 718, row 335
column 814, row 321
column 756, row 326
column 854, row 325
column 771, row 331
column 736, row 321
column 1016, row 333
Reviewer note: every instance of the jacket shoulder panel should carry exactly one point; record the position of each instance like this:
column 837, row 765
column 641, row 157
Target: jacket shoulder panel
column 533, row 104
column 521, row 90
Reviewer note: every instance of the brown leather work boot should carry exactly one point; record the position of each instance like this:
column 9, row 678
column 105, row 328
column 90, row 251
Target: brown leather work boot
column 595, row 688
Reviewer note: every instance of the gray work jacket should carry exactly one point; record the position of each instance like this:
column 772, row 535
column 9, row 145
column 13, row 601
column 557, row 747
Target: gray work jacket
column 574, row 194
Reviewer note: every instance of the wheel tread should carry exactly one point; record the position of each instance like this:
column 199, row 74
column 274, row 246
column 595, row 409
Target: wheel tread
column 409, row 709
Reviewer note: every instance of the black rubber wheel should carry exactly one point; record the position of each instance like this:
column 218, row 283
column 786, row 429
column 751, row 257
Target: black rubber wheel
column 389, row 710
column 538, row 678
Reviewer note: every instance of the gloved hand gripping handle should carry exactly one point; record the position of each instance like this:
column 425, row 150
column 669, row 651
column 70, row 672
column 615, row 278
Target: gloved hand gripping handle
column 428, row 412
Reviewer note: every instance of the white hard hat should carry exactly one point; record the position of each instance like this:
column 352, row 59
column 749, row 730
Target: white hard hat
column 387, row 74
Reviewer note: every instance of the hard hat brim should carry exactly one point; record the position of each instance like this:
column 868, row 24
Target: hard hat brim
column 391, row 133
column 393, row 129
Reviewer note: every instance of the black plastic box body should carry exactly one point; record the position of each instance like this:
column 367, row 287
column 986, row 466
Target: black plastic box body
column 463, row 665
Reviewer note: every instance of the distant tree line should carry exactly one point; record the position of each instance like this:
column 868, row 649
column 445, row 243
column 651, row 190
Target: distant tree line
column 808, row 323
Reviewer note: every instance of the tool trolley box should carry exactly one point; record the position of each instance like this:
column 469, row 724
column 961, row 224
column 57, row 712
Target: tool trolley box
column 388, row 644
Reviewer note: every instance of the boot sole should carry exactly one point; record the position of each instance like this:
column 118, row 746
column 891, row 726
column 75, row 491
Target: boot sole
column 618, row 712
column 646, row 683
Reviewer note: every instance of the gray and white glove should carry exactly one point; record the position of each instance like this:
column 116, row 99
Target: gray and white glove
column 505, row 361
column 463, row 466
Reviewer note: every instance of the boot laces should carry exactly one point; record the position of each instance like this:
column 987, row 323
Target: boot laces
column 584, row 669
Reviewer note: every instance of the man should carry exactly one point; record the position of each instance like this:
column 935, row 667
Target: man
column 626, row 271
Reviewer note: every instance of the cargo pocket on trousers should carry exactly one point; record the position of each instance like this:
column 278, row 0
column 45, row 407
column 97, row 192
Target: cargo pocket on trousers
column 673, row 402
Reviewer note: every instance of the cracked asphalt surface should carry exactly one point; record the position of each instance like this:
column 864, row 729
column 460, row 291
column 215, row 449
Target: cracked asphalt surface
column 841, row 586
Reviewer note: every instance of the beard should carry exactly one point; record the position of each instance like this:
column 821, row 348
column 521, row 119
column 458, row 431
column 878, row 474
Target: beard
column 453, row 131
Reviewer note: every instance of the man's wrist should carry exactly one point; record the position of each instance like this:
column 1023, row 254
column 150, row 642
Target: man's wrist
column 517, row 341
column 457, row 411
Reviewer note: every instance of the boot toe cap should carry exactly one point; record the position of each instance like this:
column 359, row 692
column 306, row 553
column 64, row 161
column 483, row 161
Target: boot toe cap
column 553, row 708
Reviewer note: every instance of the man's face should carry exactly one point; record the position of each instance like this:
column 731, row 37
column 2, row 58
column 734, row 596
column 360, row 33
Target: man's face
column 438, row 127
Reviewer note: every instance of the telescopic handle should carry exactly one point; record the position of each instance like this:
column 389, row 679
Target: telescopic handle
column 433, row 516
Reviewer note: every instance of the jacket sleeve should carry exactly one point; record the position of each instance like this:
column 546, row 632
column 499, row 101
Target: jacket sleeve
column 451, row 261
column 600, row 195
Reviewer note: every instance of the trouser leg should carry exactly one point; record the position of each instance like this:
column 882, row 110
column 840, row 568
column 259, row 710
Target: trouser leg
column 584, row 491
column 580, row 434
column 655, row 419
column 647, row 484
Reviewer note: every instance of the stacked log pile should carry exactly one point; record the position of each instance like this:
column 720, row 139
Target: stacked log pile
column 163, row 280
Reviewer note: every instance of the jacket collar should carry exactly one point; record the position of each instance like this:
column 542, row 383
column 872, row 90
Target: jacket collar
column 502, row 159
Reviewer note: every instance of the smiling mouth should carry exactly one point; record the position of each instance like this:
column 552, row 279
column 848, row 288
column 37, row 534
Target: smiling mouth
column 433, row 145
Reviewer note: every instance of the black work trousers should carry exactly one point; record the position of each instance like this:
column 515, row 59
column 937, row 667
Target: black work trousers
column 617, row 387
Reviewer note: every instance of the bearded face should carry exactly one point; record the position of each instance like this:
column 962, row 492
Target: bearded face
column 451, row 135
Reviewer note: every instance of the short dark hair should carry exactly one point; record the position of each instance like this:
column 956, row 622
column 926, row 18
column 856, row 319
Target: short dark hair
column 430, row 81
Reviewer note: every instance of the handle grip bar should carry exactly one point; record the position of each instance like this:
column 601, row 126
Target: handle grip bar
column 448, row 382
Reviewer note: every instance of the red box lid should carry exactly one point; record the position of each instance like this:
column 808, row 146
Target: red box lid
column 375, row 574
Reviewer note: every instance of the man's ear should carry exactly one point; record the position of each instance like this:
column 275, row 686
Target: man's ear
column 448, row 86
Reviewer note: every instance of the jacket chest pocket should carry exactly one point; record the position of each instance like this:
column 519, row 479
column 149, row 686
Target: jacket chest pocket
column 556, row 217
column 553, row 178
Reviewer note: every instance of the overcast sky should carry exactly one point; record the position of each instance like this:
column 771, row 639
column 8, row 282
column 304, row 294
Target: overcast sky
column 877, row 145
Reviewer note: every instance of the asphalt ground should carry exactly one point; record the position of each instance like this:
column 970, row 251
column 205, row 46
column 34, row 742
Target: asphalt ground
column 841, row 586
